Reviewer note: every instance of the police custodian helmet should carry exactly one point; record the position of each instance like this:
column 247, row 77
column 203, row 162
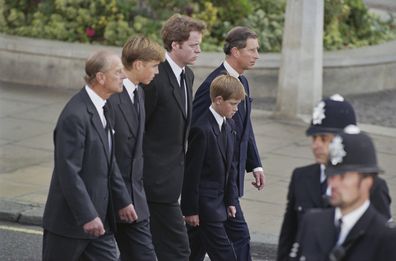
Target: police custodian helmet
column 331, row 115
column 352, row 150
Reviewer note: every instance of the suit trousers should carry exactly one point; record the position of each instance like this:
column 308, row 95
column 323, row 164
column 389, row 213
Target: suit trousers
column 60, row 248
column 211, row 238
column 169, row 232
column 134, row 241
column 238, row 232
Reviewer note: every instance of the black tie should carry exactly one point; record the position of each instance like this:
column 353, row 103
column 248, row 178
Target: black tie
column 323, row 187
column 136, row 100
column 242, row 105
column 108, row 124
column 182, row 89
column 224, row 134
column 338, row 229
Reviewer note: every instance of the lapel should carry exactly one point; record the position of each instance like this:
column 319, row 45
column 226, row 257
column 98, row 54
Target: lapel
column 360, row 228
column 312, row 185
column 97, row 123
column 217, row 133
column 244, row 118
column 229, row 151
column 175, row 85
column 128, row 111
column 142, row 111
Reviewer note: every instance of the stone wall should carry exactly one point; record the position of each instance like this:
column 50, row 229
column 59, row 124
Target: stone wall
column 61, row 65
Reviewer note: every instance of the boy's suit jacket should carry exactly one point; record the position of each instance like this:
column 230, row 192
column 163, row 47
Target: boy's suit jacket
column 248, row 157
column 209, row 180
column 128, row 139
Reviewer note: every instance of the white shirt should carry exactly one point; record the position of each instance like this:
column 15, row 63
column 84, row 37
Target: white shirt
column 231, row 71
column 98, row 103
column 349, row 220
column 177, row 71
column 175, row 68
column 130, row 87
column 323, row 178
column 219, row 119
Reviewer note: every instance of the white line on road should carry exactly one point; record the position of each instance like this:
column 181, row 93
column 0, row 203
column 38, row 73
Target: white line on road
column 22, row 230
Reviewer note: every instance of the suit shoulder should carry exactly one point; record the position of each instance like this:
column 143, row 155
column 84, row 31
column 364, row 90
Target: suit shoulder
column 306, row 169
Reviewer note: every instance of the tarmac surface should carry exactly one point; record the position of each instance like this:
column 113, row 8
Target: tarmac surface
column 28, row 115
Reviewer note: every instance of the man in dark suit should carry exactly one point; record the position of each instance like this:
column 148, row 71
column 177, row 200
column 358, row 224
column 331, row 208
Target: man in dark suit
column 86, row 185
column 168, row 116
column 140, row 57
column 209, row 188
column 353, row 230
column 241, row 50
column 308, row 186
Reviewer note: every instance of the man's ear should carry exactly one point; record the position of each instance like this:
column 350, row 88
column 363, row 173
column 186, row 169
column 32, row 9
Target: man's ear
column 137, row 65
column 218, row 100
column 100, row 77
column 175, row 45
column 235, row 52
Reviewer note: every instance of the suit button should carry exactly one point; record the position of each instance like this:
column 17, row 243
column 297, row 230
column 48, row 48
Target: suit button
column 299, row 208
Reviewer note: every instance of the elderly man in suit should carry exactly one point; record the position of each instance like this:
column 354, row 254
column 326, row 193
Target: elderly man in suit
column 241, row 50
column 168, row 115
column 86, row 186
column 353, row 230
column 140, row 57
column 308, row 186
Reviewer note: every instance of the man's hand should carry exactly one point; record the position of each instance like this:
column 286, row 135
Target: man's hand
column 231, row 210
column 260, row 180
column 94, row 227
column 192, row 220
column 128, row 214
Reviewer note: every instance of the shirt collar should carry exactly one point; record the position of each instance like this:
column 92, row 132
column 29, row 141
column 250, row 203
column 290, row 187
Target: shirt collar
column 231, row 71
column 219, row 119
column 175, row 68
column 95, row 98
column 129, row 86
column 350, row 219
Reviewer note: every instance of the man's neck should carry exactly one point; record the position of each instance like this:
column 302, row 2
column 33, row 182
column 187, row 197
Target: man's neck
column 234, row 64
column 176, row 60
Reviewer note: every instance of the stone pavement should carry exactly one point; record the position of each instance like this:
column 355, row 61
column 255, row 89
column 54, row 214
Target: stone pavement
column 28, row 116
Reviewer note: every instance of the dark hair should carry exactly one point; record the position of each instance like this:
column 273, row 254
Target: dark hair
column 177, row 29
column 237, row 37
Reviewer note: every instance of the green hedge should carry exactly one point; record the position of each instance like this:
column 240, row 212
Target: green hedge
column 111, row 22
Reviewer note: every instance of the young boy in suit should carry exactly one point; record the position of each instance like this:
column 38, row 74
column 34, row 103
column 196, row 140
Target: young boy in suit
column 140, row 57
column 209, row 189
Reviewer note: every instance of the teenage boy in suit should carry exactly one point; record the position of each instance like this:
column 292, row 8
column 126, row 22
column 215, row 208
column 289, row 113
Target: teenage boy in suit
column 209, row 190
column 86, row 186
column 168, row 115
column 140, row 57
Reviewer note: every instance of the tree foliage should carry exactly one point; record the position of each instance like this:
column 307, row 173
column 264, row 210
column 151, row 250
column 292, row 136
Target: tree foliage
column 347, row 23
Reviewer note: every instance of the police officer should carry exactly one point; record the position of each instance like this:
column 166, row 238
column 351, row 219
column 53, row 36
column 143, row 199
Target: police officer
column 308, row 185
column 353, row 230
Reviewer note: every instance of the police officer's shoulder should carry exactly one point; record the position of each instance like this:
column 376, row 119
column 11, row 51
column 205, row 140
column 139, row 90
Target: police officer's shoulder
column 303, row 170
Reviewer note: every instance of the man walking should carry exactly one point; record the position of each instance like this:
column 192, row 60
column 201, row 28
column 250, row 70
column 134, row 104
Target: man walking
column 168, row 116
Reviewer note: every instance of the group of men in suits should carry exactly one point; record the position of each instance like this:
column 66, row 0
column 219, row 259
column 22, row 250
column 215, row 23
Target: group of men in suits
column 102, row 189
column 310, row 222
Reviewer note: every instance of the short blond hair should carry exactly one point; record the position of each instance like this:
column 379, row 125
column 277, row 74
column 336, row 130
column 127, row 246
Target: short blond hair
column 143, row 49
column 228, row 87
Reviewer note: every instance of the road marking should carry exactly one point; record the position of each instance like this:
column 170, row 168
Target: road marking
column 22, row 230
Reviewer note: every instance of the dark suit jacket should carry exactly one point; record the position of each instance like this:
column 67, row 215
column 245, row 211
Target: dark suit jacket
column 128, row 139
column 246, row 149
column 369, row 239
column 165, row 138
column 304, row 194
column 209, row 179
column 86, row 181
